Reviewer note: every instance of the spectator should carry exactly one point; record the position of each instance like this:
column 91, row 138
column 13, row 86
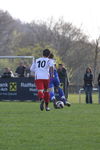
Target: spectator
column 62, row 73
column 20, row 70
column 99, row 86
column 27, row 70
column 88, row 84
column 7, row 73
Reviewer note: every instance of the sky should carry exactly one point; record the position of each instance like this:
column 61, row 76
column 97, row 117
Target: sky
column 84, row 14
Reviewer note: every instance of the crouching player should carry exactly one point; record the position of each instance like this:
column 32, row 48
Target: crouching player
column 41, row 67
column 55, row 83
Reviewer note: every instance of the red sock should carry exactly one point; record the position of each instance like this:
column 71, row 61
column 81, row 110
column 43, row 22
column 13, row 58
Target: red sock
column 40, row 95
column 46, row 97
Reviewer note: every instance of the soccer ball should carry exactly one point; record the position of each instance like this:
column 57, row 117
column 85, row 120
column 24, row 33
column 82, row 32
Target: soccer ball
column 59, row 104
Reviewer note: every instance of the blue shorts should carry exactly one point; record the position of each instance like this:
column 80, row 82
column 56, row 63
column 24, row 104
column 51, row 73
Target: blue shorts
column 55, row 82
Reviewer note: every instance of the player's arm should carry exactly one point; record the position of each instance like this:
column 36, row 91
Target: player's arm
column 51, row 71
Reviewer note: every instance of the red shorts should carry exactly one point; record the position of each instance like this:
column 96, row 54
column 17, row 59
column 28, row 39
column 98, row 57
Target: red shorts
column 42, row 84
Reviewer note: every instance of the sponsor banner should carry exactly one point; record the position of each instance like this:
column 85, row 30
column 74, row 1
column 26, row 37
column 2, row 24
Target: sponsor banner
column 18, row 89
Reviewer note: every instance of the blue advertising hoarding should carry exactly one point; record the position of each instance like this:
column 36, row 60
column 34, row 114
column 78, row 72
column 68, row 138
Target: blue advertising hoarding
column 18, row 89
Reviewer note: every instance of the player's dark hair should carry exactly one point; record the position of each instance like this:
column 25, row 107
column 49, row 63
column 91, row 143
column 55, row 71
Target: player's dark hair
column 51, row 56
column 46, row 52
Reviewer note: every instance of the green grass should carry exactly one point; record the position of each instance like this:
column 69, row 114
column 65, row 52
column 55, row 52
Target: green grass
column 24, row 127
column 76, row 98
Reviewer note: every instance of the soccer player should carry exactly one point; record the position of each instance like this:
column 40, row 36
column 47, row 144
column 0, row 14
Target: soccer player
column 41, row 67
column 55, row 83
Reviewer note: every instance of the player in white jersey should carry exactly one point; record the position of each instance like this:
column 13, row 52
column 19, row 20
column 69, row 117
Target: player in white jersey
column 42, row 66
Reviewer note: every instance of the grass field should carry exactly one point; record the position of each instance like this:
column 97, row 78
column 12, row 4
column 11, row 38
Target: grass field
column 24, row 127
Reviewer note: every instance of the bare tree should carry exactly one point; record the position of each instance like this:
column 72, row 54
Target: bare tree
column 96, row 57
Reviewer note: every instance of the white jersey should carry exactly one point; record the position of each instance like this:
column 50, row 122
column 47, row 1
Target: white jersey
column 41, row 68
